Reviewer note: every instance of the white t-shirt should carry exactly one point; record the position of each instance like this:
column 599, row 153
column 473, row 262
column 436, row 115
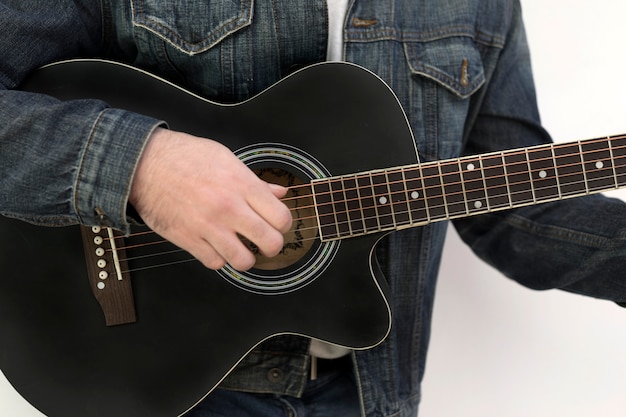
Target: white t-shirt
column 337, row 10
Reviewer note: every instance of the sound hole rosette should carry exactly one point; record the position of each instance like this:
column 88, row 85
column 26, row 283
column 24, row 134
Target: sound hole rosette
column 293, row 165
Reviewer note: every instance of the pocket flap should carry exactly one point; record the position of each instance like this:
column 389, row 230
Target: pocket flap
column 192, row 26
column 454, row 62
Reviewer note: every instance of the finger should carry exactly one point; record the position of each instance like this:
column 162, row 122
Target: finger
column 233, row 251
column 210, row 258
column 278, row 190
column 204, row 252
column 253, row 228
column 270, row 208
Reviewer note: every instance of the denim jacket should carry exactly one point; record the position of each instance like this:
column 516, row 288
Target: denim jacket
column 460, row 68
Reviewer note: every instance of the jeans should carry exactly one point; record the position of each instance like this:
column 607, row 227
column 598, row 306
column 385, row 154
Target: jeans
column 332, row 393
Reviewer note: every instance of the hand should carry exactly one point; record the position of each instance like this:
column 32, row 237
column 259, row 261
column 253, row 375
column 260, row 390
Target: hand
column 198, row 195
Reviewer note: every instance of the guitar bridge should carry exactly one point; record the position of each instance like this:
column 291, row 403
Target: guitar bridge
column 108, row 274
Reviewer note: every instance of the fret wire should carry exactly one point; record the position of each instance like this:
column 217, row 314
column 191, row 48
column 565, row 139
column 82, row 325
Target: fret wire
column 530, row 176
column 443, row 192
column 467, row 211
column 389, row 193
column 506, row 178
column 337, row 199
column 333, row 204
column 582, row 161
column 358, row 192
column 482, row 174
column 374, row 201
column 434, row 192
column 618, row 151
column 345, row 204
column 556, row 171
column 426, row 207
column 613, row 162
column 408, row 198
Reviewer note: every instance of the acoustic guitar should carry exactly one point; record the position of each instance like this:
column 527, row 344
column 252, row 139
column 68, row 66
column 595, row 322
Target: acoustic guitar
column 96, row 324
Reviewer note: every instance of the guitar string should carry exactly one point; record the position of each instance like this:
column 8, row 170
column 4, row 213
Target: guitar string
column 495, row 155
column 455, row 162
column 192, row 259
column 480, row 189
column 476, row 158
column 477, row 180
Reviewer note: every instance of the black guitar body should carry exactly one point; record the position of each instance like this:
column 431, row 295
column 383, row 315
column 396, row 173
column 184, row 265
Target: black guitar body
column 194, row 325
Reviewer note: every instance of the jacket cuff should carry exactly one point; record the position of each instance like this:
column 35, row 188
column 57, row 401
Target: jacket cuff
column 108, row 165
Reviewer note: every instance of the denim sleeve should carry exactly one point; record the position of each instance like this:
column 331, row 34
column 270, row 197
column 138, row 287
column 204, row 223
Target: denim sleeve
column 61, row 162
column 578, row 245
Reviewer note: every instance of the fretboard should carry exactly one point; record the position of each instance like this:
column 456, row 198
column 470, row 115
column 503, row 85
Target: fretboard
column 400, row 197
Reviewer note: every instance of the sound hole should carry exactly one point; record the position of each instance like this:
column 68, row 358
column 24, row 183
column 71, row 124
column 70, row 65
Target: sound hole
column 301, row 237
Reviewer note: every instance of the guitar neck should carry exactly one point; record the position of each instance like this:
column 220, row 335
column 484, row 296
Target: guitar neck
column 401, row 197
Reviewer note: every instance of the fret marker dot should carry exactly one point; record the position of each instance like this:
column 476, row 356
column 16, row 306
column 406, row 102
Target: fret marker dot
column 415, row 195
column 543, row 174
column 471, row 167
column 383, row 200
column 478, row 204
column 599, row 164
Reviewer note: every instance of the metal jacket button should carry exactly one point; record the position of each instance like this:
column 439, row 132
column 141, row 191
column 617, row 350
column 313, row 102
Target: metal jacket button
column 275, row 375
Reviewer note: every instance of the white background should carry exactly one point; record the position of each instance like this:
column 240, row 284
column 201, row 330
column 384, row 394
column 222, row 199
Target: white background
column 500, row 350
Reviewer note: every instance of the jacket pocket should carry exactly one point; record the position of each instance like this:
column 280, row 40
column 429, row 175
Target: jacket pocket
column 192, row 26
column 455, row 63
